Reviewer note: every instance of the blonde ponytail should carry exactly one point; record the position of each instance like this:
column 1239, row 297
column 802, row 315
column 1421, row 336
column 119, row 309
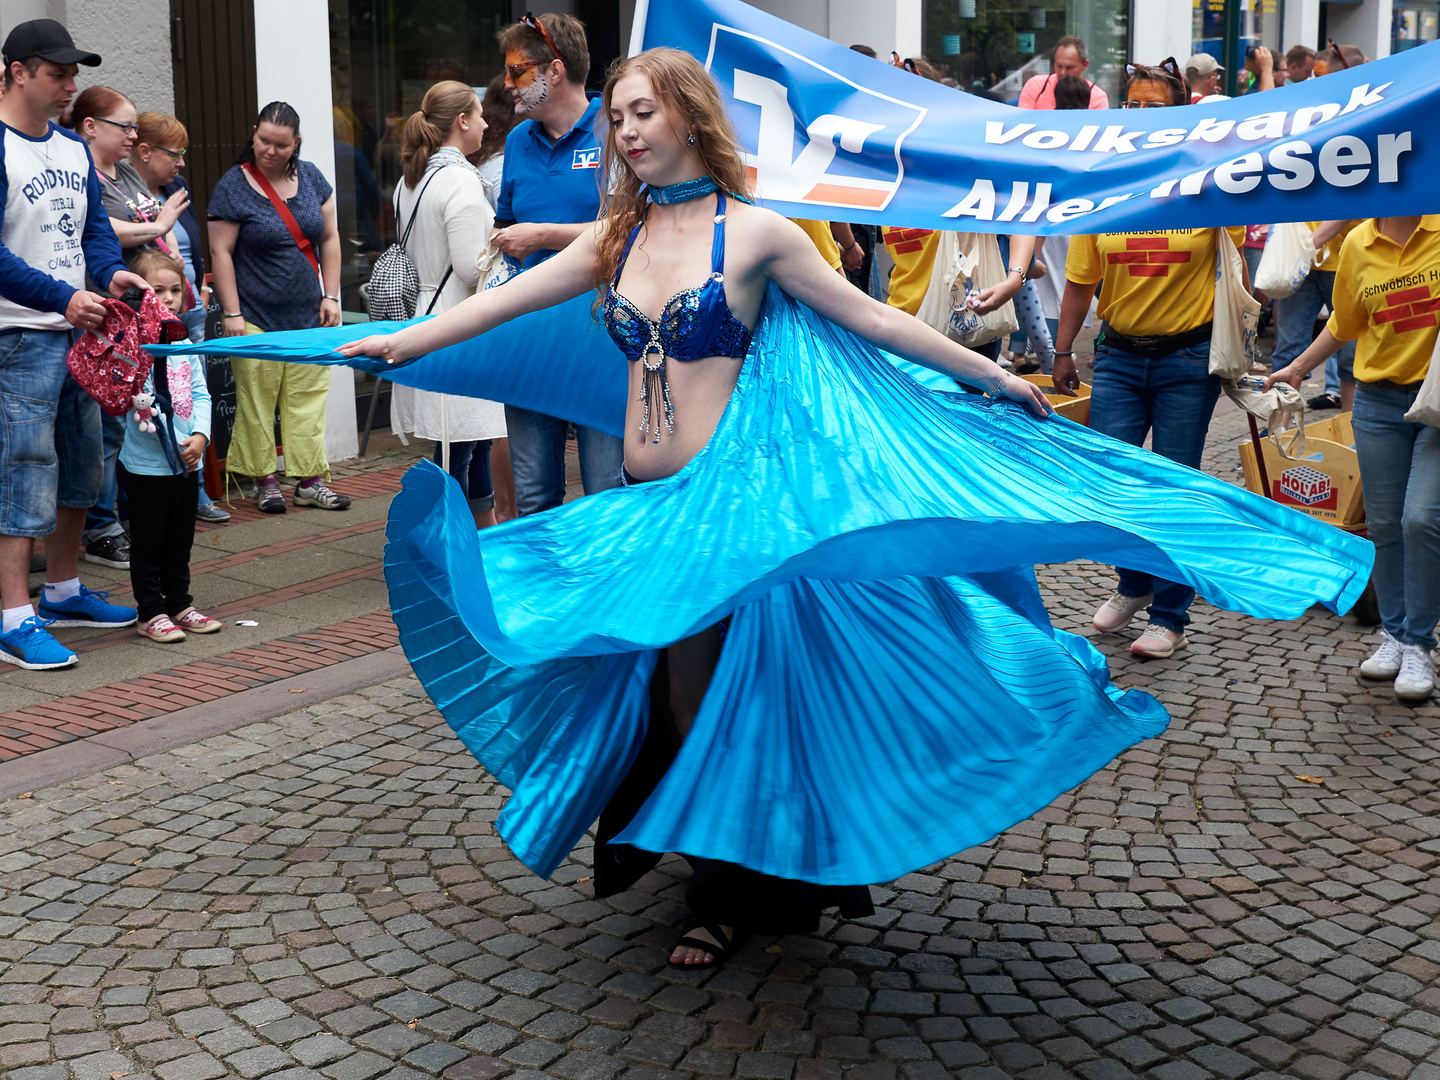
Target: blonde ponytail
column 427, row 130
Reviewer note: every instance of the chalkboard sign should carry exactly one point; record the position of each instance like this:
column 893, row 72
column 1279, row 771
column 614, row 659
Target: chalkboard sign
column 221, row 383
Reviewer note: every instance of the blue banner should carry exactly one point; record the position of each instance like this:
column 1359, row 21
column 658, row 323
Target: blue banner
column 832, row 134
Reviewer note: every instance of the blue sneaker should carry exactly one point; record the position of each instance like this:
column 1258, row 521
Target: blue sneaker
column 87, row 608
column 30, row 646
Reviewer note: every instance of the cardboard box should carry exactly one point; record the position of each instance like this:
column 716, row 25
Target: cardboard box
column 1072, row 408
column 1324, row 482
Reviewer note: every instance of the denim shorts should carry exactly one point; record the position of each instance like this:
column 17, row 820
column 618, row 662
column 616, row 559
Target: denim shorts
column 50, row 444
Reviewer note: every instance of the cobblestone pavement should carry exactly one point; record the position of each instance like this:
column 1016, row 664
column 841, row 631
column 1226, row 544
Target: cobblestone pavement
column 323, row 895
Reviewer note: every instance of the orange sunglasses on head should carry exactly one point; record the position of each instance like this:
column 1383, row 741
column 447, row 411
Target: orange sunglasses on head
column 516, row 70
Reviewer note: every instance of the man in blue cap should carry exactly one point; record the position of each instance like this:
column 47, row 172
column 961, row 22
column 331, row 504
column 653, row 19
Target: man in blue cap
column 53, row 230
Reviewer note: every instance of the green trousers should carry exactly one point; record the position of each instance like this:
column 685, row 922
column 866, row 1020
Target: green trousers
column 299, row 390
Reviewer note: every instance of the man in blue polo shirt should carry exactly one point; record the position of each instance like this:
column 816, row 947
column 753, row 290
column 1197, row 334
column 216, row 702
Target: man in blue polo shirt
column 549, row 195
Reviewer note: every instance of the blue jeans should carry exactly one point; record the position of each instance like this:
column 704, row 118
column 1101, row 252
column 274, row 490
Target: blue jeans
column 1400, row 472
column 470, row 466
column 537, row 455
column 1172, row 396
column 1295, row 317
column 49, row 434
column 103, row 519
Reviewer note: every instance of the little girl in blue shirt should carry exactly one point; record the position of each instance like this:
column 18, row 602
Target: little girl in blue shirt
column 163, row 495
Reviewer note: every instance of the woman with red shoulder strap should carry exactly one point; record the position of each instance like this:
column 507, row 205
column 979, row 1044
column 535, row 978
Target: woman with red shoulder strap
column 275, row 260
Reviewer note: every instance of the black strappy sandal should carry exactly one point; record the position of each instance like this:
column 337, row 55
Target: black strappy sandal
column 719, row 951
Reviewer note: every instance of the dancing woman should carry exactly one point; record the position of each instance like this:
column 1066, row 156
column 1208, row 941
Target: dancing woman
column 803, row 645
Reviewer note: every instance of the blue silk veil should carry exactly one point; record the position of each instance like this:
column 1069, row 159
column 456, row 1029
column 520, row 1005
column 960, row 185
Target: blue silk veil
column 891, row 690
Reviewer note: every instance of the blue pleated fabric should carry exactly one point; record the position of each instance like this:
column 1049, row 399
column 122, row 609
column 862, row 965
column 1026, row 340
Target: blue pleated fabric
column 559, row 361
column 891, row 690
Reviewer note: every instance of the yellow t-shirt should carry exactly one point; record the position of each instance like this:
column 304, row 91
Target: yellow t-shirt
column 823, row 239
column 1387, row 299
column 1332, row 261
column 914, row 253
column 1152, row 283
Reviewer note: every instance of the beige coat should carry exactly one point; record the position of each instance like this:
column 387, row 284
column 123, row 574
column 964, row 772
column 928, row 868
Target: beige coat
column 452, row 230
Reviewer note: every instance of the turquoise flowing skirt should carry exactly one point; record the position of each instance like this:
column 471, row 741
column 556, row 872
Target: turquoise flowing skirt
column 891, row 690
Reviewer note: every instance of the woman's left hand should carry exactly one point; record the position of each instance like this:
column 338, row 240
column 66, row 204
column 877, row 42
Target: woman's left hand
column 329, row 313
column 987, row 300
column 388, row 347
column 1026, row 393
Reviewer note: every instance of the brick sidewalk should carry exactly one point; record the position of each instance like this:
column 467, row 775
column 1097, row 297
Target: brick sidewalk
column 229, row 570
column 65, row 719
column 156, row 685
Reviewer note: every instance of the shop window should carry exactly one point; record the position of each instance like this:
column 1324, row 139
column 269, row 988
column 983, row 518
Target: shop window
column 384, row 55
column 1413, row 25
column 994, row 46
column 1259, row 25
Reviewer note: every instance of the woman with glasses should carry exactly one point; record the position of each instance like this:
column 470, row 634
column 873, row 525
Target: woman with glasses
column 105, row 118
column 158, row 155
column 1152, row 358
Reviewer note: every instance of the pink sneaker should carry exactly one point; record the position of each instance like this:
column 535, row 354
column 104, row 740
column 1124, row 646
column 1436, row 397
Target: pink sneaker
column 198, row 623
column 160, row 629
column 1115, row 614
column 1158, row 642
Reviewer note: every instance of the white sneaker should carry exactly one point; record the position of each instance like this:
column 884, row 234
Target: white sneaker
column 1416, row 680
column 1115, row 614
column 1158, row 642
column 1384, row 662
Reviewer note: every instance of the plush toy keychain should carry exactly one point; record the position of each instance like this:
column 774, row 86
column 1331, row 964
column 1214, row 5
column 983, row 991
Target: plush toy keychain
column 144, row 411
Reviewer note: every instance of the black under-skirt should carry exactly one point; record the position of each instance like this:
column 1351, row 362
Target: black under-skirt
column 719, row 892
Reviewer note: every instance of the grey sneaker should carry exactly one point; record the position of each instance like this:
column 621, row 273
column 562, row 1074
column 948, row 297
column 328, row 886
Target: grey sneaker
column 269, row 498
column 109, row 551
column 317, row 494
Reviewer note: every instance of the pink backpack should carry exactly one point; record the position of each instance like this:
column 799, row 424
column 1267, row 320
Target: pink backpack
column 110, row 364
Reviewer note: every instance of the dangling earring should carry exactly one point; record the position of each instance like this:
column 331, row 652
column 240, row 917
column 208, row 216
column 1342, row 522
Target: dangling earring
column 690, row 139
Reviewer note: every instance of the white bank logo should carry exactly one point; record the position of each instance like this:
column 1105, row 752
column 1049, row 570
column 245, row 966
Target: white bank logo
column 809, row 134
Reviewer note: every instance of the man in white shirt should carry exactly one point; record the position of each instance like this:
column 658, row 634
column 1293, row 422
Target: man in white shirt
column 53, row 229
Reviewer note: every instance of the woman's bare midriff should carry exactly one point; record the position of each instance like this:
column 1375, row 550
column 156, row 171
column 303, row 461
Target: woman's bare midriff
column 700, row 390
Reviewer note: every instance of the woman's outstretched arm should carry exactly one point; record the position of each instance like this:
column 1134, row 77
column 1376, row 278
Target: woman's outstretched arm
column 793, row 263
column 560, row 278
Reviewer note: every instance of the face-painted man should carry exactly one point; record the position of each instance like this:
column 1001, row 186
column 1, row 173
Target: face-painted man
column 549, row 194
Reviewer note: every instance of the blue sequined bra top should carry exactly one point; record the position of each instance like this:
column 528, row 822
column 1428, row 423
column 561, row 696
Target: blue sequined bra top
column 694, row 324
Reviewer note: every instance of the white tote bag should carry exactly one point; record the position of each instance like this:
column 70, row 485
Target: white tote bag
column 966, row 263
column 1234, row 343
column 1426, row 409
column 1288, row 257
column 495, row 267
column 934, row 309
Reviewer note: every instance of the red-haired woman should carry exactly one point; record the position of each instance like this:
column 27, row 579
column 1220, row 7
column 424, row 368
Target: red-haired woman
column 106, row 120
column 804, row 645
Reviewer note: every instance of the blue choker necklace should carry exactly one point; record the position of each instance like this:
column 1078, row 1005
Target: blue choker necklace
column 684, row 191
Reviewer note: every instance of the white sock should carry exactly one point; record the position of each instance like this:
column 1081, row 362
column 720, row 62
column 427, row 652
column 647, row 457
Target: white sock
column 56, row 591
column 14, row 616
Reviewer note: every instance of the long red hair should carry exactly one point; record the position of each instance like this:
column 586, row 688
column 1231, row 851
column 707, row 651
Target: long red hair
column 688, row 96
